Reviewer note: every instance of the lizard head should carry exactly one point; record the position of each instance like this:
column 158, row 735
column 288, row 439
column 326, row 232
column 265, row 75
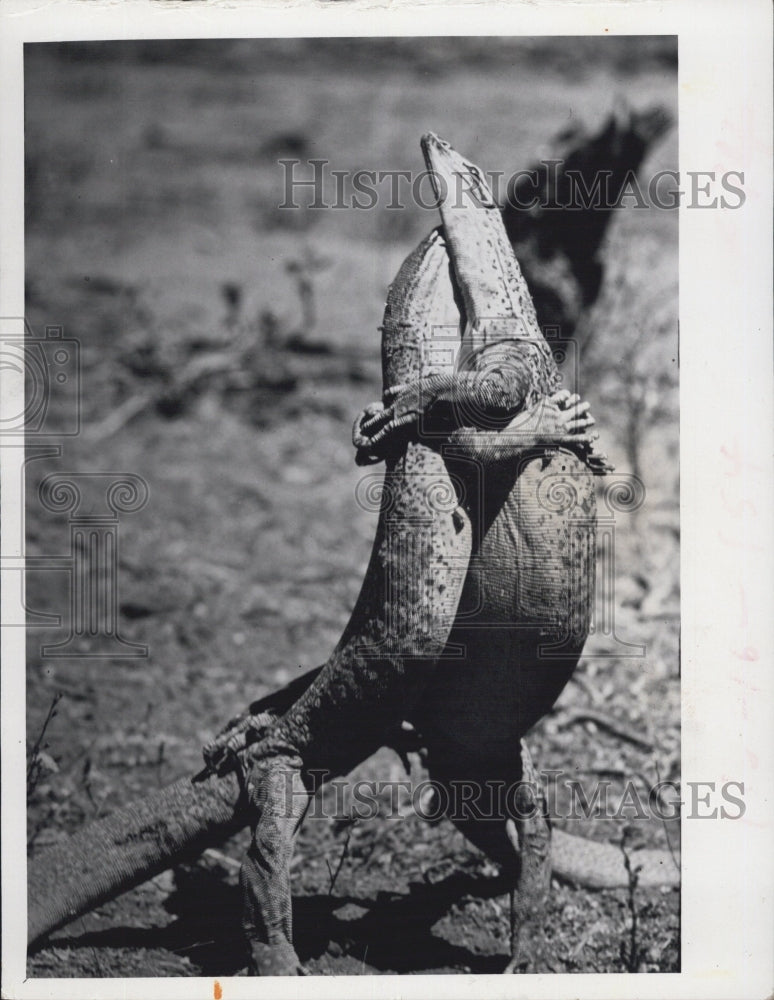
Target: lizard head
column 452, row 176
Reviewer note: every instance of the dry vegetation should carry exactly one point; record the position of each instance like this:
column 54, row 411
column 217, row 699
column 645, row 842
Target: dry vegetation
column 226, row 346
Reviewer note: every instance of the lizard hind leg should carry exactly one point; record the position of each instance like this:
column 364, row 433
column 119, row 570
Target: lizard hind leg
column 500, row 806
column 278, row 800
column 529, row 833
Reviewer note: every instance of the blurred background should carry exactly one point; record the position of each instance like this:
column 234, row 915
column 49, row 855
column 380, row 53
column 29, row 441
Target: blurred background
column 225, row 346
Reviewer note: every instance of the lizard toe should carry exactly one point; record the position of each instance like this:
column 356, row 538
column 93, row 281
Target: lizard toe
column 276, row 959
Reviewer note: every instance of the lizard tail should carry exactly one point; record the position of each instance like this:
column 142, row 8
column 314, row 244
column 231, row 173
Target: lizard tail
column 114, row 854
column 123, row 850
column 597, row 865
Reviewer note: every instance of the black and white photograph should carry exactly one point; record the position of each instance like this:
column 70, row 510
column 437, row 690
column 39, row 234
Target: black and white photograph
column 350, row 586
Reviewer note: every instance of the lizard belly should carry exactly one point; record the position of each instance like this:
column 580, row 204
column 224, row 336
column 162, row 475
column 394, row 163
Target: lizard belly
column 524, row 613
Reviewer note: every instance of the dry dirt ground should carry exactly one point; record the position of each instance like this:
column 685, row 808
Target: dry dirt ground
column 226, row 346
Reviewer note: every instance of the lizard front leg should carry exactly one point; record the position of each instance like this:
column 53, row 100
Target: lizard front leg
column 436, row 405
column 221, row 753
column 561, row 420
column 484, row 414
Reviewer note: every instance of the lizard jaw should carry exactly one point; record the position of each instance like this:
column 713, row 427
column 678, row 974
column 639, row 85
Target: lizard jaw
column 435, row 152
column 452, row 176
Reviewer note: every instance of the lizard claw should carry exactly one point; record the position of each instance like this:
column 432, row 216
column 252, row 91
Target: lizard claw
column 598, row 463
column 377, row 426
column 276, row 959
column 220, row 754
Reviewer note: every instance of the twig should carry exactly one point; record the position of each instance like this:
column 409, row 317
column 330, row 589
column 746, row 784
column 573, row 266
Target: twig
column 223, row 859
column 86, row 780
column 101, row 973
column 632, row 959
column 583, row 682
column 120, row 417
column 604, row 772
column 649, row 787
column 33, row 768
column 672, row 855
column 573, row 715
column 190, row 947
column 335, row 874
column 196, row 372
column 160, row 762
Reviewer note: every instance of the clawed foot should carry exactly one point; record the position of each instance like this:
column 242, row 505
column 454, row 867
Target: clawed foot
column 279, row 959
column 380, row 421
column 219, row 754
column 563, row 420
column 532, row 956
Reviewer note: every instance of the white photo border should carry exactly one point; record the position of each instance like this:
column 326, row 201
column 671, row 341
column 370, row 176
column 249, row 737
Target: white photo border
column 725, row 123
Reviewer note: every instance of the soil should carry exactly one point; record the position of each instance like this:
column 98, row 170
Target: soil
column 225, row 347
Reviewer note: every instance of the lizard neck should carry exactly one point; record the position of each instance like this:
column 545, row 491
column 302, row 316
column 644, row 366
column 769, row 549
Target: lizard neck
column 497, row 304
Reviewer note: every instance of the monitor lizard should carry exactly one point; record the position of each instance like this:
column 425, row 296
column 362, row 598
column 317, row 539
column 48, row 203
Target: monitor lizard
column 393, row 661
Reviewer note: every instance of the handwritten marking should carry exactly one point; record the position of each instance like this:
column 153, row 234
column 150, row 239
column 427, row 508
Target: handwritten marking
column 735, row 543
column 736, row 508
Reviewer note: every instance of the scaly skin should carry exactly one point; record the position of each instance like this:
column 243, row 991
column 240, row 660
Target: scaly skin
column 527, row 601
column 59, row 889
column 389, row 654
column 392, row 661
